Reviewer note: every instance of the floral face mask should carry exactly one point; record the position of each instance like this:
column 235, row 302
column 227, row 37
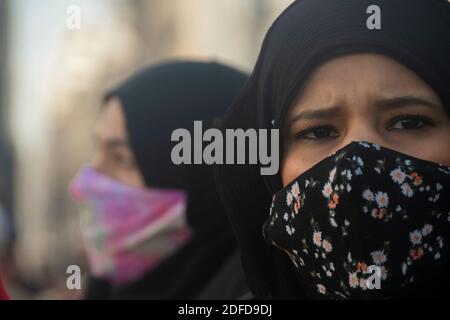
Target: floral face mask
column 128, row 231
column 366, row 222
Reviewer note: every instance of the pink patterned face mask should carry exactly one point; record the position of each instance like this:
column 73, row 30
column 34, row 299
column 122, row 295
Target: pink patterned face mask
column 128, row 231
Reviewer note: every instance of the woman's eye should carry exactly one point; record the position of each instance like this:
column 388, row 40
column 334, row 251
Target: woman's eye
column 123, row 161
column 317, row 133
column 409, row 123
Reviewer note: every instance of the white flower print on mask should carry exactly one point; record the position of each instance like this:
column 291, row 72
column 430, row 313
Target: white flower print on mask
column 378, row 257
column 415, row 237
column 327, row 246
column 317, row 238
column 398, row 175
column 407, row 190
column 382, row 199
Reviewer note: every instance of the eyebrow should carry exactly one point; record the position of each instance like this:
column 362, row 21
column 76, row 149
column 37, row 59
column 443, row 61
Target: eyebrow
column 320, row 113
column 113, row 142
column 386, row 103
column 404, row 101
column 117, row 143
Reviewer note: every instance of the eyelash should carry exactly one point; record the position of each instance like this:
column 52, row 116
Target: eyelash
column 303, row 133
column 425, row 120
column 123, row 161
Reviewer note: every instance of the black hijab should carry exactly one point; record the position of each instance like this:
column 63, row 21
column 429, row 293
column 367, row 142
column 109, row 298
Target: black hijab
column 415, row 33
column 156, row 101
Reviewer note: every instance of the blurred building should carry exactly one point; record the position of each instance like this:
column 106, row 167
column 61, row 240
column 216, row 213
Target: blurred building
column 58, row 77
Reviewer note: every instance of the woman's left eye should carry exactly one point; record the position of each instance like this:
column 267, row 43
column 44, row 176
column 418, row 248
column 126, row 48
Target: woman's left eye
column 123, row 161
column 317, row 133
column 409, row 123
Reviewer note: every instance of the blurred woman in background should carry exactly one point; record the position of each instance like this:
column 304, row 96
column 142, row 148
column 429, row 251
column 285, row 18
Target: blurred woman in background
column 361, row 206
column 153, row 229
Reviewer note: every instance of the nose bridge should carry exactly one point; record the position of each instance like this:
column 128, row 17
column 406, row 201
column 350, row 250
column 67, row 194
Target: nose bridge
column 363, row 128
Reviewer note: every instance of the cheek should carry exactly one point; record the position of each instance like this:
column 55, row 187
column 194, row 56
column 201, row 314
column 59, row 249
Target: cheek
column 138, row 180
column 299, row 159
column 438, row 150
column 131, row 177
column 292, row 166
column 285, row 172
column 435, row 147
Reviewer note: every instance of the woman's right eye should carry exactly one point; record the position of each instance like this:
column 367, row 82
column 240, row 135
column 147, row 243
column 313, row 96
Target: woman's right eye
column 318, row 132
column 123, row 161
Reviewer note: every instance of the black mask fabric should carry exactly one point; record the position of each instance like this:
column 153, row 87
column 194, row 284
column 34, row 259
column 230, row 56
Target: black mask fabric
column 366, row 222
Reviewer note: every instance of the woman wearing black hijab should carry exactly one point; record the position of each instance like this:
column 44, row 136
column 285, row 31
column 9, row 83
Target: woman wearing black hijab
column 153, row 229
column 359, row 209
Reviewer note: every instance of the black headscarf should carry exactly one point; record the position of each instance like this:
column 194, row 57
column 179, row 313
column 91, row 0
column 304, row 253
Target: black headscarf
column 415, row 33
column 156, row 101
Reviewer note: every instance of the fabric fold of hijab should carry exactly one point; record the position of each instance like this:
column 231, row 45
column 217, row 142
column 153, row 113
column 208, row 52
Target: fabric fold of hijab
column 415, row 33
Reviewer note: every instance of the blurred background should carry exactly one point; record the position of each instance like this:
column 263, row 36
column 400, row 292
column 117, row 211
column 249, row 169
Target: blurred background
column 53, row 74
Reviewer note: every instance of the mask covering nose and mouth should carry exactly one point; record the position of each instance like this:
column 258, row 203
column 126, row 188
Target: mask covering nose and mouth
column 128, row 231
column 366, row 222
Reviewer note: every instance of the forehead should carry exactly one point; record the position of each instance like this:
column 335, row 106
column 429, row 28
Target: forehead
column 367, row 74
column 111, row 121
